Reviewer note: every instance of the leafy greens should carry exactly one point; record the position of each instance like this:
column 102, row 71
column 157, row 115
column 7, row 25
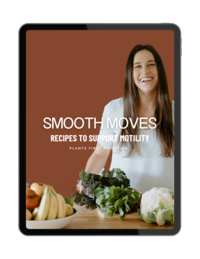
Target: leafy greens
column 115, row 177
column 114, row 200
column 110, row 192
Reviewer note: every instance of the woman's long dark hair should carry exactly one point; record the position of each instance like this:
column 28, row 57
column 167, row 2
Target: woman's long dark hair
column 163, row 114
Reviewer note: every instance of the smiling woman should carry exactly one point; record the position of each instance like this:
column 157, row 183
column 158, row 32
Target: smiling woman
column 146, row 163
column 146, row 94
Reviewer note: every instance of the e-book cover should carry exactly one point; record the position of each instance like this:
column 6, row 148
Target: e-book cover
column 100, row 129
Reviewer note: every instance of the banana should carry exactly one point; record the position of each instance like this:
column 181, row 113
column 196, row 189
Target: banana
column 34, row 213
column 61, row 205
column 44, row 205
column 53, row 209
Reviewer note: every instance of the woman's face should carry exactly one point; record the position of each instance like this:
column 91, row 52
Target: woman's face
column 145, row 73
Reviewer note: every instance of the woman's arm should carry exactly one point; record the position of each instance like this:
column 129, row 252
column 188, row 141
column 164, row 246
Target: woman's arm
column 95, row 163
column 97, row 160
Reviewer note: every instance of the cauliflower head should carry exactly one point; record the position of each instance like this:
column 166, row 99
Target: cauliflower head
column 157, row 206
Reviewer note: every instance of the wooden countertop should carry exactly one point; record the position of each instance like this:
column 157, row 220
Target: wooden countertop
column 86, row 219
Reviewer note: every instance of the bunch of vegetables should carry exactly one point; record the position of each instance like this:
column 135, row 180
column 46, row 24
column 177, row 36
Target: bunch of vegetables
column 115, row 177
column 110, row 192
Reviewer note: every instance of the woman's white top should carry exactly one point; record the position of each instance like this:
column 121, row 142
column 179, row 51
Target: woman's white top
column 147, row 170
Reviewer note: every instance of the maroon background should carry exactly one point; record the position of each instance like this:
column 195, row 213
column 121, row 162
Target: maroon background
column 75, row 74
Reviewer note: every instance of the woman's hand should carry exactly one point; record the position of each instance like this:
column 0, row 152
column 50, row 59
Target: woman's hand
column 80, row 187
column 95, row 163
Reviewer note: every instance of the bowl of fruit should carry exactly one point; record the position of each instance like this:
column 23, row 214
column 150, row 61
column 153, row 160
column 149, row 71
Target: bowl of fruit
column 47, row 209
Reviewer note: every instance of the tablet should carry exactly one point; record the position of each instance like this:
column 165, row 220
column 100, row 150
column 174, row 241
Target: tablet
column 100, row 129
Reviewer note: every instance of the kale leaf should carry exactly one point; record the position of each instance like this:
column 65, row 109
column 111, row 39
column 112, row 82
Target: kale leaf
column 82, row 199
column 115, row 177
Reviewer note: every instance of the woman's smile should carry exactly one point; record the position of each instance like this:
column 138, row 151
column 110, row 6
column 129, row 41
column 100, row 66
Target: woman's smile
column 146, row 79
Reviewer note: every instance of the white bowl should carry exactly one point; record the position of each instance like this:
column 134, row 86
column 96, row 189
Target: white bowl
column 50, row 224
